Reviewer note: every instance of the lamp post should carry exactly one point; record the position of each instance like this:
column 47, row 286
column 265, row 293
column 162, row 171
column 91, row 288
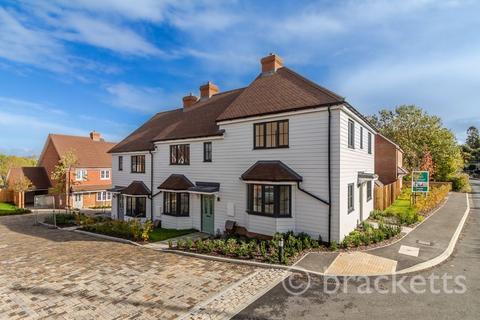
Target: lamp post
column 280, row 250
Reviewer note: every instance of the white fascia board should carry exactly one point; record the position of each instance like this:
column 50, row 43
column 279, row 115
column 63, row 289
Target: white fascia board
column 357, row 118
column 280, row 114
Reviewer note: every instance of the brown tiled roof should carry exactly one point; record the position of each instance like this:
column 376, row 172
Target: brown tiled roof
column 275, row 171
column 37, row 175
column 176, row 182
column 283, row 90
column 191, row 122
column 100, row 187
column 136, row 188
column 90, row 153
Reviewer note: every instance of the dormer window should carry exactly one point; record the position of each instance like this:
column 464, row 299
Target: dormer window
column 271, row 135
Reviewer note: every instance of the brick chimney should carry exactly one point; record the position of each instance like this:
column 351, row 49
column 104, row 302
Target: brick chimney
column 208, row 90
column 189, row 100
column 271, row 63
column 95, row 136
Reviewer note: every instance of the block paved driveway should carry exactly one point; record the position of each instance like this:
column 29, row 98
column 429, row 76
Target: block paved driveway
column 61, row 274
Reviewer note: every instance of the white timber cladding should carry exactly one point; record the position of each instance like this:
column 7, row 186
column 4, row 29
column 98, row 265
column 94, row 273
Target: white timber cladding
column 353, row 161
column 233, row 154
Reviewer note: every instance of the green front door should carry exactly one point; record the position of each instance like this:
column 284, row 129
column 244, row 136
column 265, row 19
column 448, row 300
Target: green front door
column 208, row 214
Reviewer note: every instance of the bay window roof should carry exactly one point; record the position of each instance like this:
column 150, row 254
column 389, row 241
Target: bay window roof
column 272, row 170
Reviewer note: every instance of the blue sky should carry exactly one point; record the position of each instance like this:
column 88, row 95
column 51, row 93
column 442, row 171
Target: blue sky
column 108, row 65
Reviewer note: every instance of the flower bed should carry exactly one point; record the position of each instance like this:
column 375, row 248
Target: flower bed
column 367, row 235
column 404, row 213
column 73, row 219
column 130, row 230
column 254, row 249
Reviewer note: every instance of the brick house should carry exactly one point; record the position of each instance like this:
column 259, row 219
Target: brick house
column 388, row 161
column 87, row 183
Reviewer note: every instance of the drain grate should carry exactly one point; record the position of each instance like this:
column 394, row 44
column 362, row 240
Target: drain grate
column 425, row 243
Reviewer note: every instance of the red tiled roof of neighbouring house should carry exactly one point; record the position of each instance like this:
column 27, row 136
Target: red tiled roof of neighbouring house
column 275, row 171
column 90, row 153
column 37, row 175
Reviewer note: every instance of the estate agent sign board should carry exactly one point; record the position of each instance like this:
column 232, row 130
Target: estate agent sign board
column 420, row 181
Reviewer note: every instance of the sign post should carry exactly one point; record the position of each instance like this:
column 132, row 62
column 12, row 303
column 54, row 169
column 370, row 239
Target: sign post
column 420, row 183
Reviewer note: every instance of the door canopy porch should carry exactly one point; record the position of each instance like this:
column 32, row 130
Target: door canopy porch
column 271, row 171
column 176, row 182
column 136, row 188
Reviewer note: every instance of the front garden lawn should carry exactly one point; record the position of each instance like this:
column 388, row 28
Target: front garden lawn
column 160, row 234
column 10, row 209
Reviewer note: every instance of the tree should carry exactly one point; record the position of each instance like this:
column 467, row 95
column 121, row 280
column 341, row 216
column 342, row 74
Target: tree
column 427, row 163
column 415, row 131
column 21, row 185
column 473, row 138
column 7, row 162
column 62, row 174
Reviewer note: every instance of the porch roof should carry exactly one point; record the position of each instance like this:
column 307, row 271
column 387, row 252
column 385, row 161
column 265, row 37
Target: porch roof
column 136, row 188
column 205, row 187
column 273, row 170
column 176, row 182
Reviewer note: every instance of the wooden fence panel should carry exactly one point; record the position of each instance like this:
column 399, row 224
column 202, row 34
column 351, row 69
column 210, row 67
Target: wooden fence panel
column 6, row 195
column 386, row 195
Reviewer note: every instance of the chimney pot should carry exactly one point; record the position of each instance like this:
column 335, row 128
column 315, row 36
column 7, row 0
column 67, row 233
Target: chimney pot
column 271, row 63
column 189, row 100
column 208, row 90
column 95, row 136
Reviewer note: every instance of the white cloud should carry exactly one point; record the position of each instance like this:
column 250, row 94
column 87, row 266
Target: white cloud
column 81, row 28
column 143, row 99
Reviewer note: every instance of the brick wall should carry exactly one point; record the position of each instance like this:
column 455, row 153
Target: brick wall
column 49, row 160
column 385, row 160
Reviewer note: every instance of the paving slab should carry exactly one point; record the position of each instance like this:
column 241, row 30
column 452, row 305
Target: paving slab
column 360, row 263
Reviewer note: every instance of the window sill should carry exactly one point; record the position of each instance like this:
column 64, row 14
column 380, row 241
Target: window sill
column 126, row 215
column 175, row 215
column 350, row 210
column 369, row 199
column 270, row 148
column 268, row 215
column 137, row 172
column 179, row 164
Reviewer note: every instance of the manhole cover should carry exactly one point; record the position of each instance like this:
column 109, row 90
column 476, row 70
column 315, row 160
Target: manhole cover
column 425, row 243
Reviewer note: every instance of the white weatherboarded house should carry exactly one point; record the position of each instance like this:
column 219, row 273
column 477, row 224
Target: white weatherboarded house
column 280, row 154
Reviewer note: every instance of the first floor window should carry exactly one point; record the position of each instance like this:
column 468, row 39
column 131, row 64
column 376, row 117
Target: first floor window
column 269, row 200
column 269, row 135
column 176, row 204
column 137, row 164
column 80, row 174
column 369, row 190
column 207, row 152
column 136, row 207
column 180, row 154
column 369, row 143
column 351, row 134
column 350, row 197
column 104, row 174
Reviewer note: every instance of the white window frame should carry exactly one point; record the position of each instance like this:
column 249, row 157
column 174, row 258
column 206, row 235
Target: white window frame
column 105, row 174
column 104, row 196
column 351, row 134
column 80, row 174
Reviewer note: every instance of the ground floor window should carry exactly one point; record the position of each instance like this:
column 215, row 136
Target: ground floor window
column 270, row 200
column 104, row 196
column 78, row 197
column 176, row 204
column 350, row 197
column 136, row 207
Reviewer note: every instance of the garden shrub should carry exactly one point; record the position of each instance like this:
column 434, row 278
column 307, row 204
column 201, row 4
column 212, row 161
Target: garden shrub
column 460, row 182
column 366, row 234
column 430, row 201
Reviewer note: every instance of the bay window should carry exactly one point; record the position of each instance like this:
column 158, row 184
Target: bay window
column 270, row 200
